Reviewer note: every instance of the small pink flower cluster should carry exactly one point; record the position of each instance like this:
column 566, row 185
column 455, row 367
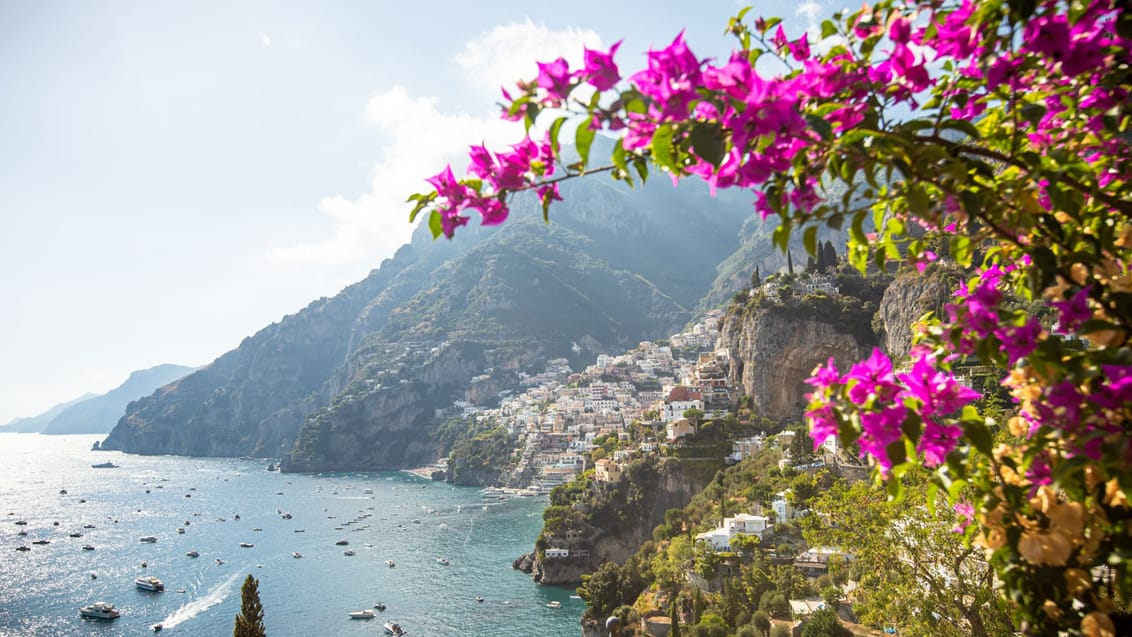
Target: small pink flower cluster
column 884, row 401
column 977, row 318
column 504, row 172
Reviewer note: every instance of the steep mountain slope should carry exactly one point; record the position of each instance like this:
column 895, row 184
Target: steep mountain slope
column 99, row 414
column 36, row 424
column 366, row 369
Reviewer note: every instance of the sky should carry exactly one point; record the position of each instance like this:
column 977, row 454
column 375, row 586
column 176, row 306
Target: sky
column 175, row 176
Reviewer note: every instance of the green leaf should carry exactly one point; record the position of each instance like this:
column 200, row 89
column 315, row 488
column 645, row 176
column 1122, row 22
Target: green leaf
column 810, row 240
column 820, row 125
column 771, row 23
column 619, row 157
column 583, row 138
column 828, row 29
column 434, row 224
column 961, row 125
column 707, row 141
column 662, row 147
column 979, row 436
column 554, row 130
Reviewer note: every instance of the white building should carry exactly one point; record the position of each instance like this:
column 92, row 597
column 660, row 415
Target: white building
column 742, row 524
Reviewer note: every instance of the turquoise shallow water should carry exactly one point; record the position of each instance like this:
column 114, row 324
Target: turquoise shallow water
column 410, row 521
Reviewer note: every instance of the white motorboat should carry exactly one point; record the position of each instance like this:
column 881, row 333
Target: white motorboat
column 393, row 628
column 105, row 465
column 390, row 563
column 246, row 545
column 296, row 555
column 554, row 604
column 442, row 561
column 149, row 583
column 99, row 610
column 348, row 553
column 193, row 554
column 362, row 614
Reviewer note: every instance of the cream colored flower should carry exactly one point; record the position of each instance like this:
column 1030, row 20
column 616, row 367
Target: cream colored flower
column 1097, row 624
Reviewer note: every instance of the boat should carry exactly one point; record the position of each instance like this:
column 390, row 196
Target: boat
column 88, row 526
column 41, row 542
column 348, row 553
column 342, row 542
column 362, row 614
column 379, row 606
column 442, row 560
column 390, row 563
column 75, row 534
column 246, row 545
column 296, row 555
column 149, row 538
column 88, row 547
column 181, row 530
column 193, row 554
column 99, row 610
column 157, row 628
column 219, row 561
column 104, row 465
column 479, row 599
column 554, row 604
column 393, row 628
column 149, row 583
column 23, row 548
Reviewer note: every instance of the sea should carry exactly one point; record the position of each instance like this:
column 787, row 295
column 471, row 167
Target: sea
column 401, row 529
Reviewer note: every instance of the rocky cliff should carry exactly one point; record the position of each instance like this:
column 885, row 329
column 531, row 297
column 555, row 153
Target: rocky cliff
column 910, row 296
column 622, row 519
column 773, row 350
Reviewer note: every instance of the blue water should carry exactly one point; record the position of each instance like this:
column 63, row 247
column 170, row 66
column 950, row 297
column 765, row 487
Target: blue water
column 406, row 519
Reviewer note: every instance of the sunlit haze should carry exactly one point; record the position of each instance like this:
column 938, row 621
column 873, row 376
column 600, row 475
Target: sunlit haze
column 176, row 176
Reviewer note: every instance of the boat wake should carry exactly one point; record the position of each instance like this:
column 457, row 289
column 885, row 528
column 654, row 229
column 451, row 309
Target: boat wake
column 471, row 527
column 198, row 606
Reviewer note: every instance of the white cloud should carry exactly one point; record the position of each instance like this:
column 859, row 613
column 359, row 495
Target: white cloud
column 265, row 39
column 509, row 53
column 421, row 137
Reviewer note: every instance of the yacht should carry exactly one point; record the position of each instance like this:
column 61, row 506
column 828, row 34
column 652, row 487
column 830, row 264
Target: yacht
column 348, row 553
column 105, row 465
column 246, row 545
column 554, row 604
column 149, row 583
column 193, row 554
column 296, row 555
column 442, row 560
column 379, row 606
column 390, row 563
column 342, row 542
column 88, row 547
column 393, row 628
column 99, row 610
column 149, row 538
column 362, row 614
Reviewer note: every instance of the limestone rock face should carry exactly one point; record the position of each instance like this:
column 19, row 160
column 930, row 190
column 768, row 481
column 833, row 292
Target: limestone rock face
column 773, row 352
column 672, row 485
column 907, row 299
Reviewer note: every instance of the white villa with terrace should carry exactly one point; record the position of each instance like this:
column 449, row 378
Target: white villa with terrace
column 742, row 524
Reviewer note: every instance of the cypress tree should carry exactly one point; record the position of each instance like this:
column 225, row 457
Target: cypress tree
column 789, row 263
column 674, row 617
column 249, row 623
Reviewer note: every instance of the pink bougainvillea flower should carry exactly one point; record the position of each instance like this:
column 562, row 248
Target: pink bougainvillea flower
column 600, row 70
column 872, row 377
column 937, row 390
column 823, row 424
column 1073, row 312
column 554, row 78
